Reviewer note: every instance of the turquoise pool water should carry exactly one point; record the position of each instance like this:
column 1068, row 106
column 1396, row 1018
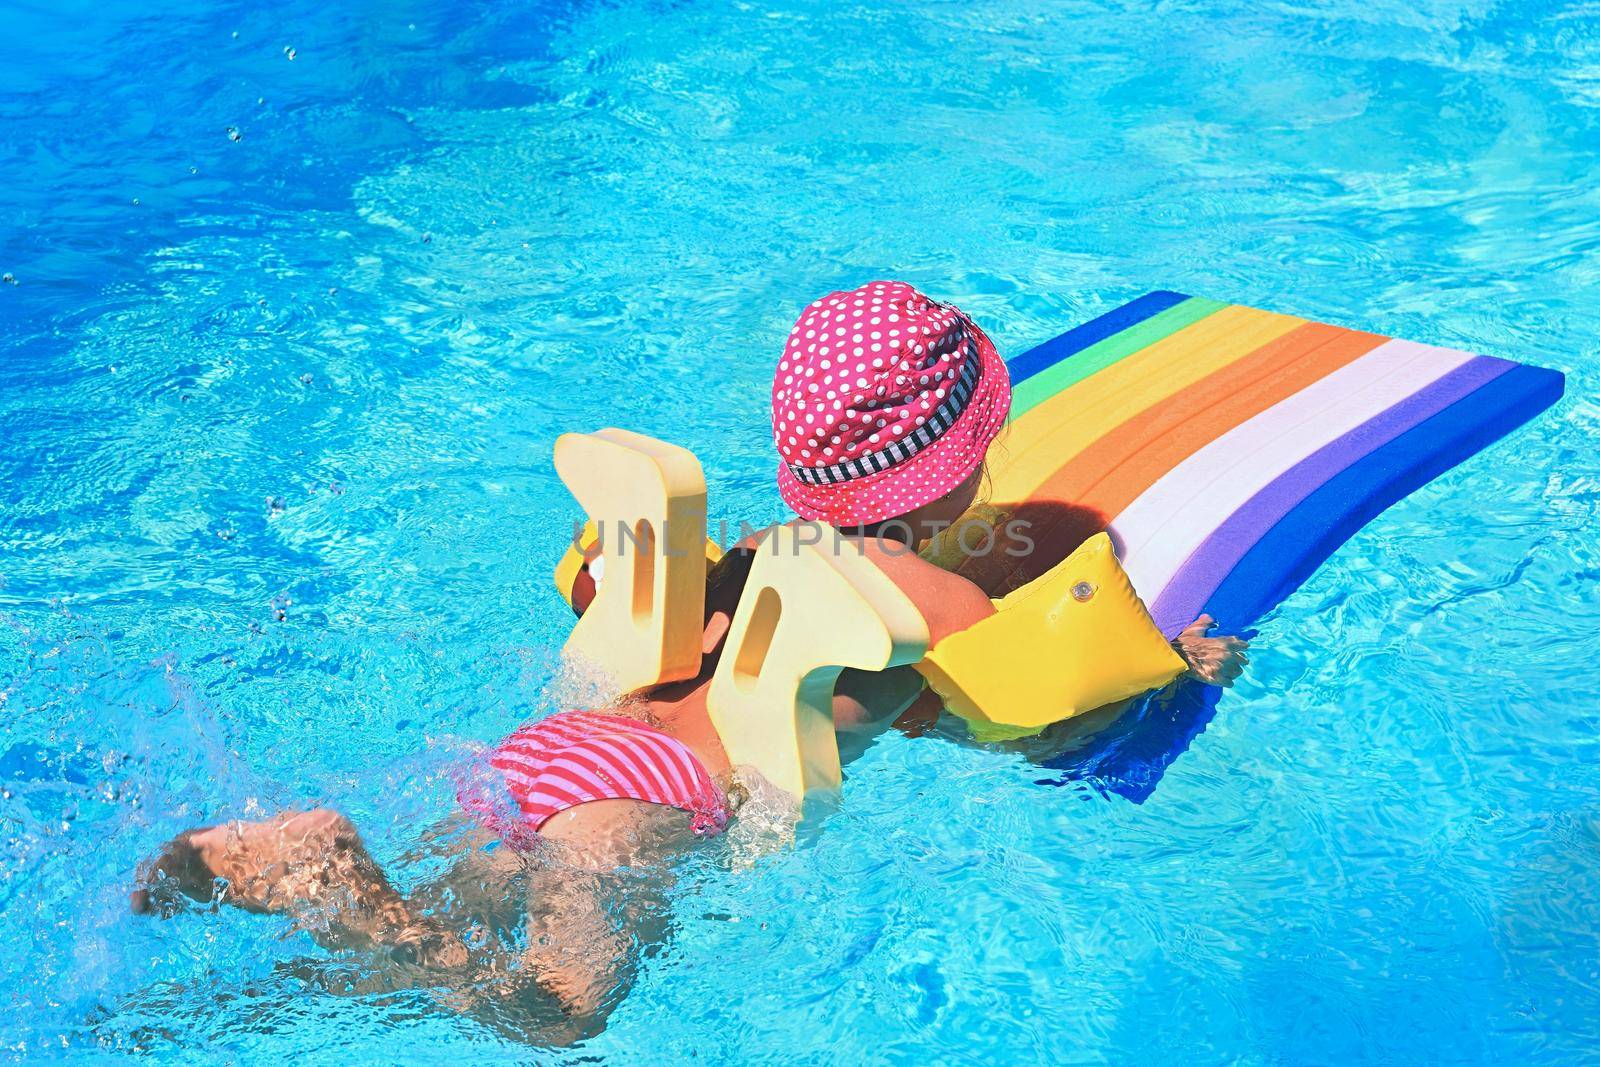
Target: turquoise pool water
column 276, row 508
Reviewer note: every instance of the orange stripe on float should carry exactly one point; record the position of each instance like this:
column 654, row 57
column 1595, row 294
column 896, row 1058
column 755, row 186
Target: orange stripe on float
column 1112, row 473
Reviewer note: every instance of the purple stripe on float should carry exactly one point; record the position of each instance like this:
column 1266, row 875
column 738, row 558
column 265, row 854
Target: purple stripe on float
column 1206, row 568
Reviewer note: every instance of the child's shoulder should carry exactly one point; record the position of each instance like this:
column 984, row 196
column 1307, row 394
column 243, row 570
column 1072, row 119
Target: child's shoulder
column 948, row 602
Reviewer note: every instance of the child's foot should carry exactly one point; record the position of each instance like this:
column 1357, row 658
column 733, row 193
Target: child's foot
column 230, row 858
column 308, row 864
column 257, row 863
column 178, row 870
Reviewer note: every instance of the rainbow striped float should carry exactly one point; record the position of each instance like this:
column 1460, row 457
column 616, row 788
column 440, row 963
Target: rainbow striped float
column 1229, row 451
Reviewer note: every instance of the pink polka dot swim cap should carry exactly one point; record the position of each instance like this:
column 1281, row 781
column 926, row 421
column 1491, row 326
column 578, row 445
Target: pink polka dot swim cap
column 884, row 400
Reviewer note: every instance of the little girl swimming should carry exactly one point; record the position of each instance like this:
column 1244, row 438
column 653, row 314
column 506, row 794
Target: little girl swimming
column 576, row 796
column 884, row 405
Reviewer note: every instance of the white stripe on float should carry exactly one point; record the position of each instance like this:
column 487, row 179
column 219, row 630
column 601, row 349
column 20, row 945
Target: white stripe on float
column 1161, row 529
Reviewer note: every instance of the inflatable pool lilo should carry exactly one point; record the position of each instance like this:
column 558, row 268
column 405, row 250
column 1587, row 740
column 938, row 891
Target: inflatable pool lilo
column 1224, row 452
column 1229, row 451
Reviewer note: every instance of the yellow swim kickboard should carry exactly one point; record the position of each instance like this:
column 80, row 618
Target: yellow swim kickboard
column 1076, row 639
column 647, row 499
column 807, row 613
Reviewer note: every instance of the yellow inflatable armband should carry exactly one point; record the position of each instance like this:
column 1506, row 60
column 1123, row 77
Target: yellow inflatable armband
column 584, row 557
column 649, row 502
column 1075, row 639
column 991, row 732
column 806, row 614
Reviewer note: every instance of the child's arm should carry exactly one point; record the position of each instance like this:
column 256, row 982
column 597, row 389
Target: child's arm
column 864, row 702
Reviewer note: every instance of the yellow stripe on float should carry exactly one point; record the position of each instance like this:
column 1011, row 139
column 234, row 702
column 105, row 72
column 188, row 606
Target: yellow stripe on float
column 1054, row 431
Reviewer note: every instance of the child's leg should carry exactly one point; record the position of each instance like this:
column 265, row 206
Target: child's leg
column 311, row 865
column 598, row 889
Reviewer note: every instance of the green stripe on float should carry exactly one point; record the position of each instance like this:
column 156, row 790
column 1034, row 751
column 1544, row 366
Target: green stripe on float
column 1100, row 355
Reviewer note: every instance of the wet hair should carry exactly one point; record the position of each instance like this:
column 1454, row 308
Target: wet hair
column 726, row 579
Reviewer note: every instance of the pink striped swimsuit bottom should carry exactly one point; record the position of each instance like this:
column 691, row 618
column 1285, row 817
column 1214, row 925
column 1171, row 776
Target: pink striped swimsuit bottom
column 579, row 756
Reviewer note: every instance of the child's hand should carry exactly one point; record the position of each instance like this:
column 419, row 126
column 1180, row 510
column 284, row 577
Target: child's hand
column 1211, row 660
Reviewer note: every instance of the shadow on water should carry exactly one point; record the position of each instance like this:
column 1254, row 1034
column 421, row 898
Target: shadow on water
column 1129, row 756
